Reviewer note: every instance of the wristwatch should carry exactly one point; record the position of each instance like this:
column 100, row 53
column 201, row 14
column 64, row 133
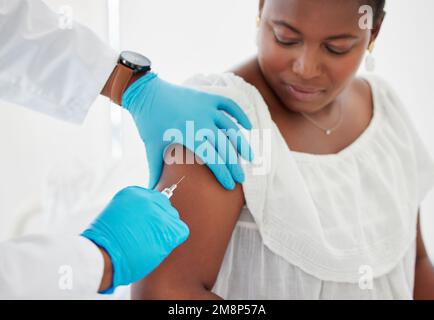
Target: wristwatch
column 130, row 67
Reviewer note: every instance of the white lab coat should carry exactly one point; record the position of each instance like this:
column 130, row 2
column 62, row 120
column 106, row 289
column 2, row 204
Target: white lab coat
column 59, row 72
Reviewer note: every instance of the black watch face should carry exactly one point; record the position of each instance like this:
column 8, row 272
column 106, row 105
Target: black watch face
column 135, row 61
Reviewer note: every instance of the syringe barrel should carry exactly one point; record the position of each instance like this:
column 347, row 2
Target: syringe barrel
column 167, row 192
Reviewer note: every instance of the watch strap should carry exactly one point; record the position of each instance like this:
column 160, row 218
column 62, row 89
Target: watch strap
column 118, row 83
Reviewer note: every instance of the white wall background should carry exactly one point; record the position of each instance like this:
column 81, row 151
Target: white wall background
column 68, row 172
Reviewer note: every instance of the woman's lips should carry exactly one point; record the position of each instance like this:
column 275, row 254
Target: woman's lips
column 304, row 94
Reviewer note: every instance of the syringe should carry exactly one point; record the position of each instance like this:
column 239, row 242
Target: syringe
column 168, row 192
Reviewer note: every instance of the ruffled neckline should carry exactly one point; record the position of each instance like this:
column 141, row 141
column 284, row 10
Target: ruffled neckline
column 357, row 144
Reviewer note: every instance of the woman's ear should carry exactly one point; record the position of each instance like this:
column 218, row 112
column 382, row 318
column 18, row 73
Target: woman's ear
column 377, row 28
column 261, row 6
column 258, row 22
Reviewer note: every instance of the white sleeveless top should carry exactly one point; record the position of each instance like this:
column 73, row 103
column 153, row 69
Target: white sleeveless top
column 339, row 226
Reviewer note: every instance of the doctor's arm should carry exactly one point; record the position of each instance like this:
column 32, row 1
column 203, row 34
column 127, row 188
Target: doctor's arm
column 129, row 239
column 47, row 66
column 211, row 213
column 43, row 266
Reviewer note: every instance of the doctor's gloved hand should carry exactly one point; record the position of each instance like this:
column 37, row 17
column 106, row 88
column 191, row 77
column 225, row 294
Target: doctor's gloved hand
column 138, row 229
column 160, row 108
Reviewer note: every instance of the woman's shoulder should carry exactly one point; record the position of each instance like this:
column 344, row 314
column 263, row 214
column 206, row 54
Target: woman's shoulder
column 383, row 92
column 226, row 82
column 235, row 77
column 235, row 86
column 398, row 128
column 389, row 109
column 238, row 82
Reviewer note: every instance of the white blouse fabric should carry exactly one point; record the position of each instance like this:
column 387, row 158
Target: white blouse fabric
column 337, row 226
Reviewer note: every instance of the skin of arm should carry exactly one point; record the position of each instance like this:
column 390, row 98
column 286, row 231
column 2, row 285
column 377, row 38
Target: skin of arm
column 211, row 213
column 107, row 278
column 424, row 274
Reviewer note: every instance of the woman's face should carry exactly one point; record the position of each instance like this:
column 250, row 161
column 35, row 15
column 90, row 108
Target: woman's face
column 309, row 50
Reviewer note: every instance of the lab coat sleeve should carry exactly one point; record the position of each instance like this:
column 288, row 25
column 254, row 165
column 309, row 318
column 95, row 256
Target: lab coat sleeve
column 47, row 66
column 50, row 267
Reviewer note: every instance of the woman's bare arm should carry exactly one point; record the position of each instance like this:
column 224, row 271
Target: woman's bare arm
column 211, row 213
column 424, row 276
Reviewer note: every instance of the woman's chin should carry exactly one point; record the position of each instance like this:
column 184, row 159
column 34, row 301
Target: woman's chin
column 306, row 103
column 295, row 105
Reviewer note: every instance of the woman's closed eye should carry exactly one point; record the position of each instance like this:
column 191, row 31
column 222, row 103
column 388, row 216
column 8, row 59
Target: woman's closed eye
column 284, row 37
column 340, row 46
column 338, row 50
column 285, row 41
column 333, row 49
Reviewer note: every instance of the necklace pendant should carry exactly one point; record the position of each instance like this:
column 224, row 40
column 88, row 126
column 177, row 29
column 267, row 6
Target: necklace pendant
column 328, row 132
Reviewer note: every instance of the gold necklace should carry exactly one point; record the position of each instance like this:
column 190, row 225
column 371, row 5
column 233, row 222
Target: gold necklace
column 327, row 131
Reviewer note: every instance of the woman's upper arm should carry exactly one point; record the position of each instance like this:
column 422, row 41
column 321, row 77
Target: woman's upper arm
column 211, row 213
column 420, row 246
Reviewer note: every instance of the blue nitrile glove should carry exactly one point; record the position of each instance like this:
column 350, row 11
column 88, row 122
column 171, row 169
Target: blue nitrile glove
column 138, row 229
column 158, row 106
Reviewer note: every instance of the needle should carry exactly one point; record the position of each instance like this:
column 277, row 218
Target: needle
column 180, row 180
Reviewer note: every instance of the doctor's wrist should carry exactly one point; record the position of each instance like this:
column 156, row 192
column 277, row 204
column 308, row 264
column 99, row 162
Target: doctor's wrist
column 107, row 278
column 129, row 68
column 119, row 82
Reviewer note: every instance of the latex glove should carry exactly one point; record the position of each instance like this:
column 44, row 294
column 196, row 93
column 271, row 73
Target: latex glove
column 138, row 229
column 158, row 106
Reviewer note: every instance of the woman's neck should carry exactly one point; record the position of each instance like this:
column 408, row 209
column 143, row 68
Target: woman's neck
column 300, row 134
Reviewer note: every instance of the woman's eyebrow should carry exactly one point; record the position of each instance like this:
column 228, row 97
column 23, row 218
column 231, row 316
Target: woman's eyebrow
column 287, row 25
column 343, row 36
column 295, row 30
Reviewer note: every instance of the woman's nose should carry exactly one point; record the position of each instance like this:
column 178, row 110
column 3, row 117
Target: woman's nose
column 307, row 65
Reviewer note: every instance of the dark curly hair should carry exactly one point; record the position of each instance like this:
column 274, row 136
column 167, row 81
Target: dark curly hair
column 378, row 6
